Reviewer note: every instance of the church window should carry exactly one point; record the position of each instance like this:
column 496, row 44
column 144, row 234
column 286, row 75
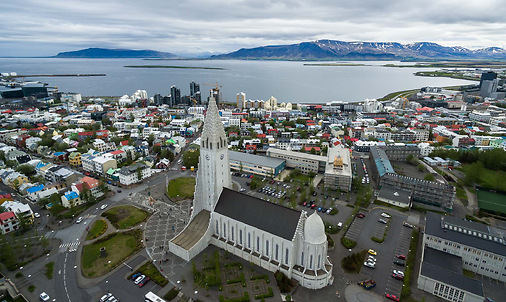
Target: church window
column 277, row 251
column 258, row 244
column 240, row 237
column 232, row 233
column 286, row 256
column 318, row 265
column 302, row 259
column 210, row 145
column 217, row 228
column 267, row 247
column 224, row 229
column 249, row 240
column 311, row 261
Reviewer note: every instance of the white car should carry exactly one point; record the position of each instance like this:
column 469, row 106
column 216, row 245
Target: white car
column 105, row 297
column 400, row 273
column 79, row 220
column 139, row 279
column 36, row 215
column 371, row 259
column 369, row 264
column 44, row 297
column 103, row 206
column 385, row 215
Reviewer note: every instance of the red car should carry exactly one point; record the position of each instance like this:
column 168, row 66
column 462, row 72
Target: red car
column 392, row 297
column 402, row 257
column 360, row 215
column 313, row 205
column 304, row 204
column 144, row 281
column 398, row 277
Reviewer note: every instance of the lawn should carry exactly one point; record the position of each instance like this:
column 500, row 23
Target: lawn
column 353, row 263
column 123, row 217
column 152, row 272
column 181, row 188
column 493, row 202
column 119, row 246
column 489, row 178
column 98, row 228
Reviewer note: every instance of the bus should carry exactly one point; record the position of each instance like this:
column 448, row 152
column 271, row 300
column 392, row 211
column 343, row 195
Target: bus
column 151, row 297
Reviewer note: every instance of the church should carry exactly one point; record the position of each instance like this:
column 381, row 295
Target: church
column 266, row 234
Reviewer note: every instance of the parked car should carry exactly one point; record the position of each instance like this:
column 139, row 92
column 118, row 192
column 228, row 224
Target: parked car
column 144, row 281
column 36, row 215
column 305, row 204
column 44, row 297
column 139, row 279
column 79, row 220
column 372, row 252
column 398, row 262
column 386, row 215
column 402, row 257
column 314, row 193
column 319, row 209
column 360, row 215
column 135, row 276
column 382, row 221
column 407, row 225
column 369, row 264
column 392, row 297
column 313, row 205
column 105, row 297
column 119, row 191
column 398, row 277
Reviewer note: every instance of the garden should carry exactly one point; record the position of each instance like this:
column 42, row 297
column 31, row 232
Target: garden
column 97, row 230
column 181, row 188
column 235, row 281
column 124, row 217
column 118, row 247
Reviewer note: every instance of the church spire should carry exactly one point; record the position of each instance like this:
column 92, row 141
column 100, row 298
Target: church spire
column 213, row 135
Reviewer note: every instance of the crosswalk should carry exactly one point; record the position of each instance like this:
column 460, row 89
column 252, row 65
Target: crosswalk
column 70, row 246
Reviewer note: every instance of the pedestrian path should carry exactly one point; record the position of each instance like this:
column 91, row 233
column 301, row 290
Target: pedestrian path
column 69, row 246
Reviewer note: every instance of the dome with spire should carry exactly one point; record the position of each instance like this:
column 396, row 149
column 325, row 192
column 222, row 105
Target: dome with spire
column 314, row 229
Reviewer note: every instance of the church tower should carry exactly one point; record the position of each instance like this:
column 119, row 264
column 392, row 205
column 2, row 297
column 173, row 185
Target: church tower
column 214, row 170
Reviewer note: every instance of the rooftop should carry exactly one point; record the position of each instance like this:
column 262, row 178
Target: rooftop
column 296, row 154
column 469, row 233
column 392, row 193
column 255, row 159
column 258, row 213
column 381, row 160
column 447, row 269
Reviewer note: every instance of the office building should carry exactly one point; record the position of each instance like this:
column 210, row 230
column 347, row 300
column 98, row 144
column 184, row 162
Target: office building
column 241, row 100
column 255, row 164
column 338, row 173
column 175, row 96
column 305, row 162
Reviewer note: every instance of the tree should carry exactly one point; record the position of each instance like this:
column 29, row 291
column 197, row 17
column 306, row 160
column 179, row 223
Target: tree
column 151, row 138
column 106, row 121
column 191, row 158
column 11, row 163
column 24, row 223
column 421, row 167
column 25, row 169
column 103, row 188
column 429, row 177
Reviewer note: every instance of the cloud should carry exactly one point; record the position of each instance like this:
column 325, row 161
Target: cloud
column 37, row 27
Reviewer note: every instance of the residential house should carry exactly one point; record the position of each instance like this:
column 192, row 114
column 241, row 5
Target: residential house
column 102, row 164
column 75, row 159
column 20, row 209
column 130, row 175
column 71, row 199
column 8, row 222
column 33, row 192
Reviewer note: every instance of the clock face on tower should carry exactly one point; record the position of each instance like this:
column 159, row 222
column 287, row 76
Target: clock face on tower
column 222, row 156
column 207, row 157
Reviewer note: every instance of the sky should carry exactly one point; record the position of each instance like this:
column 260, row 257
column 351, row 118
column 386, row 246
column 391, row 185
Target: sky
column 199, row 27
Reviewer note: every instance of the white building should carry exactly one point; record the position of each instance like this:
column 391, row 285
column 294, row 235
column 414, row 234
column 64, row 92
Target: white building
column 247, row 226
column 130, row 175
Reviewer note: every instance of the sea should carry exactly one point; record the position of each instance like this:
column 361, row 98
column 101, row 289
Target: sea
column 287, row 81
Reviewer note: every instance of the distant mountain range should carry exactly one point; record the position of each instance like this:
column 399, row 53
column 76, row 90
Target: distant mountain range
column 103, row 53
column 339, row 50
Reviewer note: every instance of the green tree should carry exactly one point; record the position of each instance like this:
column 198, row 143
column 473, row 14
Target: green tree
column 191, row 158
column 421, row 167
column 11, row 163
column 25, row 169
column 429, row 177
column 106, row 121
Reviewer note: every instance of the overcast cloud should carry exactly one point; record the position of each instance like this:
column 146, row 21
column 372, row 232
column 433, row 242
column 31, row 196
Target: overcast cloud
column 41, row 28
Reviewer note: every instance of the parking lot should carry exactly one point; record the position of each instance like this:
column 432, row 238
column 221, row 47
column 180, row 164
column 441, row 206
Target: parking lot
column 396, row 243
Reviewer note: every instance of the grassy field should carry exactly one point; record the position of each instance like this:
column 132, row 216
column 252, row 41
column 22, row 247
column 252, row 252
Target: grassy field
column 181, row 188
column 489, row 201
column 98, row 228
column 152, row 272
column 490, row 179
column 123, row 217
column 119, row 247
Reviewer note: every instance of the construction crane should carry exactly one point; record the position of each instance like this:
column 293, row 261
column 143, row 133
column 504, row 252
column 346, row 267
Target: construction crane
column 217, row 89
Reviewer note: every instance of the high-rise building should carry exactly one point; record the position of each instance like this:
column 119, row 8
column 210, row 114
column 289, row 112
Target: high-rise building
column 175, row 96
column 214, row 93
column 241, row 99
column 488, row 84
column 194, row 88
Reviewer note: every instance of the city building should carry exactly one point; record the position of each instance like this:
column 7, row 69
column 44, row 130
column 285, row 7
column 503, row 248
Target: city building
column 241, row 100
column 175, row 96
column 71, row 199
column 8, row 222
column 101, row 164
column 441, row 275
column 75, row 159
column 134, row 173
column 338, row 175
column 305, row 162
column 246, row 226
column 255, row 164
